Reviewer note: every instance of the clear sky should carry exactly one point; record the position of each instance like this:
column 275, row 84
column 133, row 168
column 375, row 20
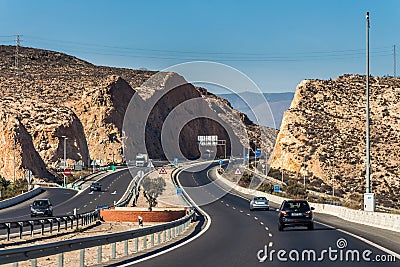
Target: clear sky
column 276, row 43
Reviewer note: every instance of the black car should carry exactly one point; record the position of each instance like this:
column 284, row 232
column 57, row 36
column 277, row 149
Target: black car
column 295, row 213
column 41, row 207
column 95, row 187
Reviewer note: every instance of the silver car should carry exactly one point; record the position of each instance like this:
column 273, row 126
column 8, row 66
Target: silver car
column 259, row 203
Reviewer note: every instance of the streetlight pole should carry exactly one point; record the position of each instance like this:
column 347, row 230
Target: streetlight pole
column 368, row 178
column 369, row 198
column 15, row 147
column 65, row 159
column 282, row 166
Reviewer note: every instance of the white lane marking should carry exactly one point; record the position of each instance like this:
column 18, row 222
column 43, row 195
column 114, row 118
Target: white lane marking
column 85, row 206
column 261, row 223
column 91, row 193
column 255, row 218
column 270, row 244
column 183, row 243
column 222, row 201
column 113, row 193
column 248, row 214
column 241, row 211
column 270, row 235
column 233, row 208
column 266, row 228
column 363, row 240
column 227, row 205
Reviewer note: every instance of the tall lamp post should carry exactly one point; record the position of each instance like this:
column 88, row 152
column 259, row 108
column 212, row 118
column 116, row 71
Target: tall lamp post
column 369, row 198
column 15, row 148
column 65, row 159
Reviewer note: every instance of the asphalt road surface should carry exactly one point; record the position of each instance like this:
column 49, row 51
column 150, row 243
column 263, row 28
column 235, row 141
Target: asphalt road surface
column 65, row 201
column 238, row 237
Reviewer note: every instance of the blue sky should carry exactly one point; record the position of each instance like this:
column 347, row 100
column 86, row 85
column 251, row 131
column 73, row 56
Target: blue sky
column 275, row 43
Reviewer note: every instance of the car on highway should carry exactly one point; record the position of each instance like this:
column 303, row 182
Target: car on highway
column 95, row 186
column 259, row 203
column 295, row 213
column 41, row 207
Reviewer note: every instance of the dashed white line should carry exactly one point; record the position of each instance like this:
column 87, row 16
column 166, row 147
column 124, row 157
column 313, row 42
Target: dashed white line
column 255, row 218
column 227, row 205
column 241, row 211
column 270, row 244
column 266, row 228
column 261, row 223
column 270, row 235
column 248, row 214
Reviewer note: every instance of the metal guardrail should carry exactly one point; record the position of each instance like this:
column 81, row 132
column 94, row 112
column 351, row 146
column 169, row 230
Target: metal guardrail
column 167, row 230
column 170, row 230
column 48, row 223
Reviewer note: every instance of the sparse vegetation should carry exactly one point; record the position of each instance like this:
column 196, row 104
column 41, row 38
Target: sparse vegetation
column 152, row 189
column 9, row 189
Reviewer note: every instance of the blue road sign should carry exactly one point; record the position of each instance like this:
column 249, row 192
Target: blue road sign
column 277, row 188
column 179, row 191
column 220, row 162
column 258, row 153
column 175, row 160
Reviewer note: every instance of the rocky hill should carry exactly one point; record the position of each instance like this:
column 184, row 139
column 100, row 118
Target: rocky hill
column 323, row 136
column 52, row 95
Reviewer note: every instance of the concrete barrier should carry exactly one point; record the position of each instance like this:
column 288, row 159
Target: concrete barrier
column 376, row 219
column 18, row 199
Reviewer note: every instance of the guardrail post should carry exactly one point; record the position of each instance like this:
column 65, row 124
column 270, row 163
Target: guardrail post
column 159, row 238
column 125, row 247
column 72, row 222
column 173, row 232
column 145, row 242
column 31, row 226
column 113, row 250
column 99, row 254
column 42, row 227
column 66, row 220
column 136, row 244
column 21, row 224
column 51, row 225
column 169, row 233
column 165, row 235
column 8, row 225
column 82, row 257
column 152, row 239
column 33, row 262
column 61, row 259
column 77, row 220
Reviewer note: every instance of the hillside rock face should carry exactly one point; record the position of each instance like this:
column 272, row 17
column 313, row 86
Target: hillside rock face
column 52, row 95
column 323, row 135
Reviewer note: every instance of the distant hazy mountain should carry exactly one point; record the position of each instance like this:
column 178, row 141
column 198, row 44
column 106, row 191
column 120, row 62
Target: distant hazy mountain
column 254, row 103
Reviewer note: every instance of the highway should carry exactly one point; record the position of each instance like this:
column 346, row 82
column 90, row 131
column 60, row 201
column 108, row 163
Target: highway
column 65, row 201
column 238, row 237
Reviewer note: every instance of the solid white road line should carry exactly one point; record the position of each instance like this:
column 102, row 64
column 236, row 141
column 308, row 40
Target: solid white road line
column 183, row 243
column 363, row 240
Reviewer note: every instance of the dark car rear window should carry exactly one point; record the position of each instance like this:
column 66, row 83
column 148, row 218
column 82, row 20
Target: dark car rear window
column 40, row 203
column 260, row 198
column 301, row 206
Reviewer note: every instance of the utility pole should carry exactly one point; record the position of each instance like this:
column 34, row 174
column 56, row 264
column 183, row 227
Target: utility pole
column 17, row 44
column 65, row 159
column 367, row 173
column 394, row 61
column 15, row 147
column 369, row 198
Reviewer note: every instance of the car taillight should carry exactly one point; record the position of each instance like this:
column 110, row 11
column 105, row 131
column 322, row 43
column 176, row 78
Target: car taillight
column 283, row 212
column 252, row 202
column 309, row 212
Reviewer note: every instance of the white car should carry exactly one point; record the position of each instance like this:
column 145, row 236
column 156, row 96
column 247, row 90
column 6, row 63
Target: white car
column 259, row 203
